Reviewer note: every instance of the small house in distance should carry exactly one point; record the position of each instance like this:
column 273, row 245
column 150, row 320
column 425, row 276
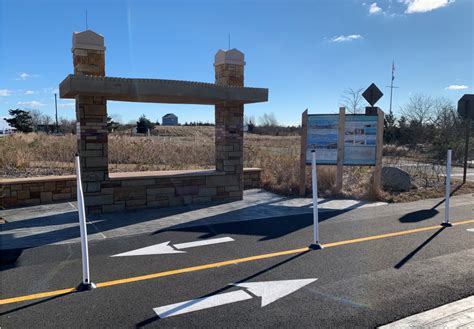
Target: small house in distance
column 169, row 120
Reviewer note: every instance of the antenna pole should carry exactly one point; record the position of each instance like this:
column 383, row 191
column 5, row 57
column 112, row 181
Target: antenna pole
column 391, row 88
column 87, row 26
column 229, row 41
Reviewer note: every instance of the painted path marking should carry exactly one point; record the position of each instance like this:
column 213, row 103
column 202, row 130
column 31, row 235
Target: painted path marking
column 269, row 291
column 225, row 263
column 470, row 230
column 166, row 248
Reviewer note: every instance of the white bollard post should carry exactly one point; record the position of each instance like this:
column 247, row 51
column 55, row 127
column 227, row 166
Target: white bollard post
column 314, row 183
column 86, row 282
column 448, row 190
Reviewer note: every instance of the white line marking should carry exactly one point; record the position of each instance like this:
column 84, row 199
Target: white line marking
column 270, row 291
column 203, row 242
column 201, row 303
column 470, row 230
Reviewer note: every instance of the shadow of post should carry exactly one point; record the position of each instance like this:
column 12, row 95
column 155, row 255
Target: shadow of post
column 421, row 246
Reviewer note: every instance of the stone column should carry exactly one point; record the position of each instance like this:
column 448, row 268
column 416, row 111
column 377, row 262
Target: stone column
column 229, row 70
column 91, row 113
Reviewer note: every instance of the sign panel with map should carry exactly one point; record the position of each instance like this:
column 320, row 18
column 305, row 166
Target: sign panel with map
column 322, row 136
column 360, row 134
column 360, row 140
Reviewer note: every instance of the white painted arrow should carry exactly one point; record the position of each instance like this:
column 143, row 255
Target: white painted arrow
column 166, row 248
column 470, row 230
column 270, row 291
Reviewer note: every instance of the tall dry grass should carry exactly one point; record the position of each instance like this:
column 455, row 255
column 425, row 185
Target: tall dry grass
column 174, row 148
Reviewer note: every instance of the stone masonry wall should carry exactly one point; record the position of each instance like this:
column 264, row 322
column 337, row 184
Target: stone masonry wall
column 229, row 120
column 122, row 192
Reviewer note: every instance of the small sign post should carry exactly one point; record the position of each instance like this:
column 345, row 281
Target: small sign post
column 86, row 282
column 314, row 181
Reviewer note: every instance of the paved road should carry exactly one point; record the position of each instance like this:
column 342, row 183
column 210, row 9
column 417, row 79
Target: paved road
column 373, row 280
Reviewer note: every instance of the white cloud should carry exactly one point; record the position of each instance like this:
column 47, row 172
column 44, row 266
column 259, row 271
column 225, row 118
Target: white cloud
column 30, row 104
column 29, row 92
column 67, row 105
column 5, row 92
column 51, row 90
column 374, row 9
column 423, row 6
column 24, row 76
column 345, row 38
column 456, row 87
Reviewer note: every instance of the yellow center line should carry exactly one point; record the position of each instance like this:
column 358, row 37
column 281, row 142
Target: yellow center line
column 223, row 263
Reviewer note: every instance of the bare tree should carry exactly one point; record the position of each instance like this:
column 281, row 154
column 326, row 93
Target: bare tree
column 268, row 120
column 46, row 120
column 35, row 119
column 420, row 109
column 249, row 120
column 352, row 100
column 66, row 126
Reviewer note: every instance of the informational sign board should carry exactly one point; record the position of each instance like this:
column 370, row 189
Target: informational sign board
column 322, row 134
column 360, row 134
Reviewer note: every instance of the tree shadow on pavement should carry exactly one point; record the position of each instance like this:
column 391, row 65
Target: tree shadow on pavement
column 415, row 251
column 266, row 228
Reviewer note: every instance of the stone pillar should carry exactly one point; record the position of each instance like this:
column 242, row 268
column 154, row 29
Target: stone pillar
column 229, row 70
column 91, row 113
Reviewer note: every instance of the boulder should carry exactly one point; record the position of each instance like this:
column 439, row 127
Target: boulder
column 395, row 179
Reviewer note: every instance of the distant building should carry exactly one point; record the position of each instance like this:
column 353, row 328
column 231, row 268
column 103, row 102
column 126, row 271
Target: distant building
column 169, row 120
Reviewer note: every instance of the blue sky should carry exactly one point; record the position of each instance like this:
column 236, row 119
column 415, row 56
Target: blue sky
column 306, row 52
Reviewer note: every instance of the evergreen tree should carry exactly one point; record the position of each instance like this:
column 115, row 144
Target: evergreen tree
column 21, row 120
column 143, row 125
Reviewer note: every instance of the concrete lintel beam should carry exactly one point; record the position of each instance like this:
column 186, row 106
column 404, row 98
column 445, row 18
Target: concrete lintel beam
column 158, row 91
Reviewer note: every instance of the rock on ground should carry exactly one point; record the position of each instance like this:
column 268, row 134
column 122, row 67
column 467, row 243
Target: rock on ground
column 395, row 179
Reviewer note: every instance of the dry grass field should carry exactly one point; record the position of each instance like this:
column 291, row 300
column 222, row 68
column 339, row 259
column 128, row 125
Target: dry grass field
column 174, row 148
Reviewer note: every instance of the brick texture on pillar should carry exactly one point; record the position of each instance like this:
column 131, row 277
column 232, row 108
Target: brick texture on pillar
column 91, row 114
column 229, row 70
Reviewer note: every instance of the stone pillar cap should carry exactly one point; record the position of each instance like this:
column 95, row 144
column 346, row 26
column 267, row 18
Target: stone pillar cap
column 231, row 56
column 87, row 40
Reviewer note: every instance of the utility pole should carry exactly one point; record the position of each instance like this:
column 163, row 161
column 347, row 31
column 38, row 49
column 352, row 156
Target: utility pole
column 56, row 106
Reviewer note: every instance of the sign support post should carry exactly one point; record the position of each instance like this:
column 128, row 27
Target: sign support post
column 446, row 222
column 378, row 151
column 304, row 136
column 314, row 184
column 466, row 149
column 340, row 149
column 466, row 111
column 86, row 283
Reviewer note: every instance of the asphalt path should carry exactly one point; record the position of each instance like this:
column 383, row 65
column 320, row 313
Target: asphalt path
column 359, row 283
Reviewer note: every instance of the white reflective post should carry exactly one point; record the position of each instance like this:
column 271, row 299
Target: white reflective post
column 86, row 282
column 448, row 188
column 314, row 183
